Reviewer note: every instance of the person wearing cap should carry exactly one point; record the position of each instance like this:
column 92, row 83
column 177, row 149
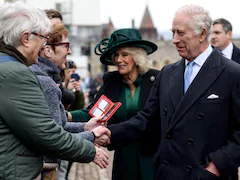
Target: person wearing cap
column 131, row 85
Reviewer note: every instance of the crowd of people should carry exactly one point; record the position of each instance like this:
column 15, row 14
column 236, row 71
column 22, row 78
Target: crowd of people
column 180, row 123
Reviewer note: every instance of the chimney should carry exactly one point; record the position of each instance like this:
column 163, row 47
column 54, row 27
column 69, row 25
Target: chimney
column 133, row 23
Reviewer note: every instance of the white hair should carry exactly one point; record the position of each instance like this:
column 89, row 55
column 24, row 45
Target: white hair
column 15, row 18
column 200, row 18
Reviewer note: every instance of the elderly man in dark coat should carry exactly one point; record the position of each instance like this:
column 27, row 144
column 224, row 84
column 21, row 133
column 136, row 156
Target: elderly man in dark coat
column 194, row 105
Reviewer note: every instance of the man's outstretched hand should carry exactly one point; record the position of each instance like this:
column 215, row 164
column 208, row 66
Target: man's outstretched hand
column 102, row 135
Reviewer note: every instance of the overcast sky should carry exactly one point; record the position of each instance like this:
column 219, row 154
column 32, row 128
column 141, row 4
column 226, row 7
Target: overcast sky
column 162, row 11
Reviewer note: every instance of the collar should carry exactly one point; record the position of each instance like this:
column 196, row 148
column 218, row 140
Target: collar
column 227, row 52
column 12, row 51
column 200, row 59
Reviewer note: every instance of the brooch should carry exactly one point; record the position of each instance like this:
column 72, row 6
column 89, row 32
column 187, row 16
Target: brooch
column 152, row 78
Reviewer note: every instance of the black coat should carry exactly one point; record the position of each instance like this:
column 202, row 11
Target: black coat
column 236, row 54
column 113, row 82
column 194, row 128
column 134, row 161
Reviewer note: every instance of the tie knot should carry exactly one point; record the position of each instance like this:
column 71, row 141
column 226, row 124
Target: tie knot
column 191, row 64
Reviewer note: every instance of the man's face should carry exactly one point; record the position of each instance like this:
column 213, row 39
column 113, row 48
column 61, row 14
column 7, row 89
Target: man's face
column 36, row 44
column 220, row 39
column 187, row 43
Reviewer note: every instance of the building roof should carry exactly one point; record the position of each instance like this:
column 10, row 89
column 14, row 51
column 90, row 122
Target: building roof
column 147, row 21
column 107, row 29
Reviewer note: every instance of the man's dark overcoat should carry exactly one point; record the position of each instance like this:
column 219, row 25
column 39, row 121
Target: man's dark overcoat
column 197, row 127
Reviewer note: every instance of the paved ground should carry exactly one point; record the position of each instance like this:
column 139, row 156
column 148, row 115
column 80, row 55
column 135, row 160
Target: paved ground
column 90, row 171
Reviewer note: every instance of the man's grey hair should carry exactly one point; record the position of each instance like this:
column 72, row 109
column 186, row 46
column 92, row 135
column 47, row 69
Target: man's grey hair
column 227, row 26
column 140, row 58
column 200, row 18
column 18, row 17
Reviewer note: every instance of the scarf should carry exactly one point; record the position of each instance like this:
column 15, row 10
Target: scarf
column 12, row 51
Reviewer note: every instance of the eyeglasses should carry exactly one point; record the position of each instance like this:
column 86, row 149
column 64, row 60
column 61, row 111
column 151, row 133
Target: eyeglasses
column 42, row 36
column 64, row 44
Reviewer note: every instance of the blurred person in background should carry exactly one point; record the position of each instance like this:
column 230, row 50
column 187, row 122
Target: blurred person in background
column 72, row 82
column 79, row 102
column 54, row 16
column 222, row 39
column 88, row 79
column 75, row 78
column 94, row 87
column 27, row 130
column 131, row 85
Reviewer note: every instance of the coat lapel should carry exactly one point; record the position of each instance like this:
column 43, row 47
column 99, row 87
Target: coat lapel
column 236, row 54
column 176, row 83
column 147, row 83
column 209, row 72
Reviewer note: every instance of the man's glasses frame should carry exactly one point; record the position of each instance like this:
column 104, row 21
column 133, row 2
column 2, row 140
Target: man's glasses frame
column 42, row 36
column 65, row 44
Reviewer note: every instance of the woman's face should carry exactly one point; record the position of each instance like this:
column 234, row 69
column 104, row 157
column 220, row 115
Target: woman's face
column 59, row 56
column 124, row 62
column 68, row 73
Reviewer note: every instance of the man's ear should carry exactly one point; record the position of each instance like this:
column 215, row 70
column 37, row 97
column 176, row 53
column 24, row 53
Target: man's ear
column 25, row 38
column 47, row 51
column 229, row 33
column 203, row 35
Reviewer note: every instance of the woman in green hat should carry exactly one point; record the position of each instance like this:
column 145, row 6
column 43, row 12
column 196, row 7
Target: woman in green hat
column 131, row 85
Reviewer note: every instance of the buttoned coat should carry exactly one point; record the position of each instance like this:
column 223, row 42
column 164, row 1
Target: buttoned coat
column 197, row 127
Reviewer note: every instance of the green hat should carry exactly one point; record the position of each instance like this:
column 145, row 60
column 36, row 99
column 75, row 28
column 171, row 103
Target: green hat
column 119, row 39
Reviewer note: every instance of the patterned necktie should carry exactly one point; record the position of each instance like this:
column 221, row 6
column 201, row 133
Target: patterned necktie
column 188, row 75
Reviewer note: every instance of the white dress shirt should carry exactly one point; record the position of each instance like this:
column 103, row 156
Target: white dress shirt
column 228, row 51
column 199, row 61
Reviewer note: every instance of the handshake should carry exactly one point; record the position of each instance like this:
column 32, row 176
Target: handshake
column 102, row 138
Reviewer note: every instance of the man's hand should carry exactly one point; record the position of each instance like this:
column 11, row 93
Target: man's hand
column 100, row 130
column 103, row 140
column 213, row 169
column 101, row 158
column 93, row 123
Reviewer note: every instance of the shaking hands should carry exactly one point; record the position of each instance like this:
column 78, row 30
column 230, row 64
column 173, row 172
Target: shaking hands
column 102, row 134
column 102, row 138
